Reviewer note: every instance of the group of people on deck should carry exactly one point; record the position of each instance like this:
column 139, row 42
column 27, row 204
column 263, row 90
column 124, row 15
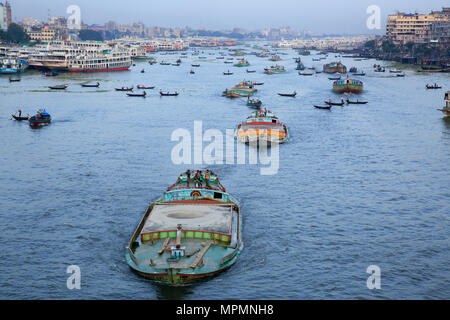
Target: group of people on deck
column 198, row 177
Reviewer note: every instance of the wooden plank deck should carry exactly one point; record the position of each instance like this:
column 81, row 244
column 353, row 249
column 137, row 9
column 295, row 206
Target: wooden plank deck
column 200, row 255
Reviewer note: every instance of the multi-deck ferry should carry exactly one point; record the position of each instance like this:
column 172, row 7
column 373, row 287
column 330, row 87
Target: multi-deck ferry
column 112, row 61
column 262, row 125
column 192, row 232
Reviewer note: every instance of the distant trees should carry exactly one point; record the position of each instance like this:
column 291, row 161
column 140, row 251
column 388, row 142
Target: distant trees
column 15, row 34
column 90, row 35
column 371, row 44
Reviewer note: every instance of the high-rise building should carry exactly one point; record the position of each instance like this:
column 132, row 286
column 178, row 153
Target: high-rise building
column 3, row 23
column 8, row 14
column 402, row 28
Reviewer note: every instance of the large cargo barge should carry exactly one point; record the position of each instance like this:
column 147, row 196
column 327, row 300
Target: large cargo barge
column 192, row 232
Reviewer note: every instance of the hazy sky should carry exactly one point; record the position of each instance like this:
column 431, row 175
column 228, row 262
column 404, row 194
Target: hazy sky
column 325, row 16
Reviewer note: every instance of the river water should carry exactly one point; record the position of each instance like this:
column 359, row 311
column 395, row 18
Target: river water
column 359, row 185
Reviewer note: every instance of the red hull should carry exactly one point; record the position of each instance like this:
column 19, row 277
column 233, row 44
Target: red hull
column 100, row 70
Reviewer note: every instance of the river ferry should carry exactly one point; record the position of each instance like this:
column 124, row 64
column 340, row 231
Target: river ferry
column 192, row 232
column 112, row 61
column 348, row 86
column 262, row 125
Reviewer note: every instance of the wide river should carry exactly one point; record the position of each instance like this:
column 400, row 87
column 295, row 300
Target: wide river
column 359, row 185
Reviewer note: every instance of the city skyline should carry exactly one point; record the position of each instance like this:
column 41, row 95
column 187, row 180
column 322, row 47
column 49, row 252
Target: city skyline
column 345, row 17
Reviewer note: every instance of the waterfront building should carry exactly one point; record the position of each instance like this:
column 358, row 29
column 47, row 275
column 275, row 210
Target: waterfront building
column 45, row 34
column 402, row 28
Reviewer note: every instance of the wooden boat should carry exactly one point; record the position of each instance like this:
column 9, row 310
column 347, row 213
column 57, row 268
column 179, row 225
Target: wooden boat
column 168, row 94
column 228, row 62
column 195, row 65
column 20, row 118
column 288, row 94
column 228, row 73
column 251, row 71
column 323, row 107
column 193, row 231
column 435, row 86
column 165, row 63
column 254, row 103
column 124, row 89
column 41, row 118
column 334, row 78
column 59, row 87
column 91, row 85
column 359, row 74
column 330, row 103
column 401, row 75
column 137, row 94
column 176, row 64
column 395, row 71
column 262, row 126
column 306, row 73
column 14, row 79
column 192, row 72
column 356, row 102
column 144, row 87
column 257, row 83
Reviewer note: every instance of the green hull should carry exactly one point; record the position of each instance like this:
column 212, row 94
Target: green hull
column 347, row 88
column 192, row 232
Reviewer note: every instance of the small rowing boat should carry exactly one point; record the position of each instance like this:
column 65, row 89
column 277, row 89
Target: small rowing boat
column 288, row 94
column 356, row 102
column 59, row 87
column 144, row 87
column 91, row 85
column 323, row 107
column 330, row 103
column 124, row 89
column 168, row 94
column 142, row 95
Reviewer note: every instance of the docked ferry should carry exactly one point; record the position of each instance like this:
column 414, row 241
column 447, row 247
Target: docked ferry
column 192, row 232
column 113, row 61
column 12, row 66
column 262, row 125
column 348, row 86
